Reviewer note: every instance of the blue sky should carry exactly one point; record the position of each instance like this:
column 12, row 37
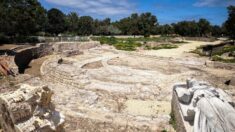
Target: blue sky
column 167, row 11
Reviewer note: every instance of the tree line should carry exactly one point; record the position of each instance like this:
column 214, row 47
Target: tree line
column 21, row 18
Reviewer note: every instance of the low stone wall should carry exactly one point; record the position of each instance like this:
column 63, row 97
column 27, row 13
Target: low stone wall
column 176, row 111
column 24, row 56
column 62, row 46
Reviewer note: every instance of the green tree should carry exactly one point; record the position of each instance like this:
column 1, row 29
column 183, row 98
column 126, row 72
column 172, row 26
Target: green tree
column 230, row 23
column 216, row 31
column 134, row 24
column 165, row 29
column 187, row 28
column 113, row 30
column 143, row 24
column 56, row 21
column 204, row 27
column 85, row 25
column 72, row 20
column 147, row 24
column 21, row 17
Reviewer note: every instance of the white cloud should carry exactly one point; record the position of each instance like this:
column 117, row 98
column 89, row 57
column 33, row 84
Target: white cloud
column 98, row 7
column 214, row 3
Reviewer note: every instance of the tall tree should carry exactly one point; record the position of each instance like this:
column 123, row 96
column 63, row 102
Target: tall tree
column 230, row 23
column 204, row 27
column 147, row 24
column 72, row 20
column 216, row 31
column 187, row 28
column 143, row 24
column 85, row 25
column 165, row 29
column 21, row 17
column 56, row 21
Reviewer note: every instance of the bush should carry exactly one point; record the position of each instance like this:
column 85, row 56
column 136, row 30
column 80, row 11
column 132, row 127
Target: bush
column 165, row 46
column 25, row 39
column 219, row 58
column 4, row 39
column 127, row 46
column 173, row 120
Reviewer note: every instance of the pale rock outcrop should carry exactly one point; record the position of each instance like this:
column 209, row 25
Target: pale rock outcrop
column 29, row 109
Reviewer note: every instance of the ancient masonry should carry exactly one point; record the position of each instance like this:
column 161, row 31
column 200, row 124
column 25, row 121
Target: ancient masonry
column 199, row 107
column 29, row 109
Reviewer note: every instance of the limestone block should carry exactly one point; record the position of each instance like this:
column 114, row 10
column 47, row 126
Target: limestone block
column 29, row 109
column 184, row 95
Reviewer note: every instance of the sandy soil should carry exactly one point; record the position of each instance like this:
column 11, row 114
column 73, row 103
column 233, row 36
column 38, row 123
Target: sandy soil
column 147, row 108
column 182, row 51
column 34, row 66
column 8, row 46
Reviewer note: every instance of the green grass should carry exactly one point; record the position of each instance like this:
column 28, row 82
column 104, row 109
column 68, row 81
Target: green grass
column 131, row 44
column 219, row 58
column 173, row 120
column 120, row 44
column 146, row 39
column 127, row 46
column 230, row 48
column 165, row 46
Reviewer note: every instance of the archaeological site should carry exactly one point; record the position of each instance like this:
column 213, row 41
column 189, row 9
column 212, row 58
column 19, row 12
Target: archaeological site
column 86, row 86
column 117, row 66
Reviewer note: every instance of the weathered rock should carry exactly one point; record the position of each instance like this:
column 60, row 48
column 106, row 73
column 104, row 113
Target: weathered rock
column 209, row 110
column 29, row 109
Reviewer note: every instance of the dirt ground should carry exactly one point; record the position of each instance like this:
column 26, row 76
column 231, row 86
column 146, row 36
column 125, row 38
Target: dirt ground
column 34, row 66
column 180, row 52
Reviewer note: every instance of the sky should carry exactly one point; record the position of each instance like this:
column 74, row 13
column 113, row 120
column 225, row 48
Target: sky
column 167, row 11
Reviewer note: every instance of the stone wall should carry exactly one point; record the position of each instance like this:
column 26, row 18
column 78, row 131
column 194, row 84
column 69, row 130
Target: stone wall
column 69, row 46
column 176, row 111
column 25, row 56
column 29, row 109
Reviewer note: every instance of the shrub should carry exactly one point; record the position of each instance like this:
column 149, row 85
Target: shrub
column 165, row 46
column 4, row 39
column 219, row 58
column 228, row 48
column 173, row 120
column 25, row 39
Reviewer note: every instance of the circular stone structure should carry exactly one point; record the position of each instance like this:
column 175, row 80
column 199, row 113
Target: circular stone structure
column 106, row 90
column 109, row 90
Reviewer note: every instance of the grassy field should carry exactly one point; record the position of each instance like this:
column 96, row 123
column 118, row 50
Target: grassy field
column 131, row 44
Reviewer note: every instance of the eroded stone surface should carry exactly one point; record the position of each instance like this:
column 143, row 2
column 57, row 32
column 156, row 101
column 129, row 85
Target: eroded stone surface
column 29, row 109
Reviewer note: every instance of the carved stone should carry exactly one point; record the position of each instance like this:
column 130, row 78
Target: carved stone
column 199, row 107
column 29, row 109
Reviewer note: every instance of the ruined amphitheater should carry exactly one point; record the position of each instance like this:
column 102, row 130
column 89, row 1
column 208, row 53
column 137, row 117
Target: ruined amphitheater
column 99, row 88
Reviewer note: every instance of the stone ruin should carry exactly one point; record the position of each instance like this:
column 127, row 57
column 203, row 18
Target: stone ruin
column 29, row 109
column 199, row 107
column 5, row 66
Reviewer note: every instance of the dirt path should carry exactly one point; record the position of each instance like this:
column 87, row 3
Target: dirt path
column 182, row 51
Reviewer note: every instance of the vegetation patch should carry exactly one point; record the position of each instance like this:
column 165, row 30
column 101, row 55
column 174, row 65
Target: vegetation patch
column 221, row 59
column 217, row 56
column 226, row 49
column 120, row 44
column 130, row 44
column 165, row 46
column 173, row 120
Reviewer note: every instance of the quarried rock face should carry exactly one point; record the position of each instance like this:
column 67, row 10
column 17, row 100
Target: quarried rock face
column 29, row 109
